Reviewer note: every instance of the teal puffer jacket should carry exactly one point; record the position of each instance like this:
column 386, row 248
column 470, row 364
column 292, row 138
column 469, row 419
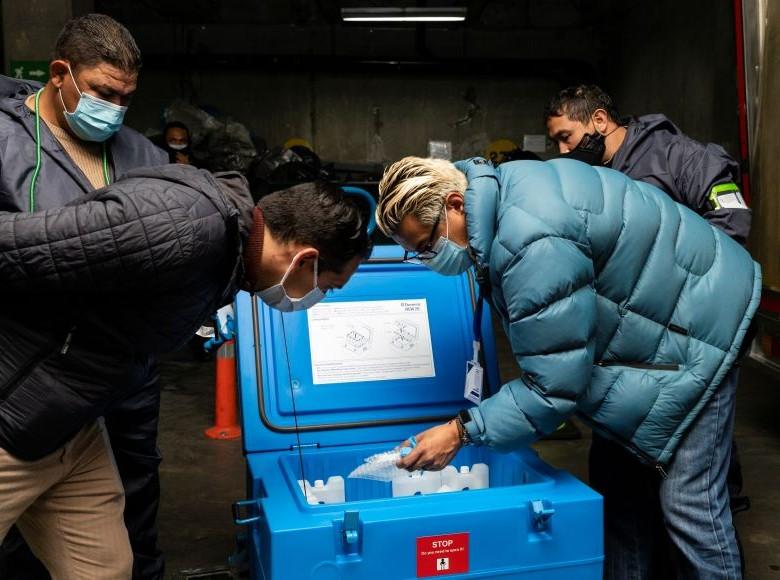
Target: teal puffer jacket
column 620, row 304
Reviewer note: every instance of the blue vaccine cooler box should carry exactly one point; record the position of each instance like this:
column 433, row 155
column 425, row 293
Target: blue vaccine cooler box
column 374, row 363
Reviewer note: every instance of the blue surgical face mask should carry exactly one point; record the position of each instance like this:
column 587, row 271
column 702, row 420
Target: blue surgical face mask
column 450, row 259
column 276, row 296
column 93, row 119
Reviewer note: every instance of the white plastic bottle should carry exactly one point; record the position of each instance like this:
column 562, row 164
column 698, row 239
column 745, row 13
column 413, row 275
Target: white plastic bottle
column 416, row 483
column 323, row 493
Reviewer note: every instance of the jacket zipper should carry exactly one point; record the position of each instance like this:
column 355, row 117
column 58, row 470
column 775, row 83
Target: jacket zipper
column 66, row 345
column 659, row 467
column 651, row 461
column 639, row 365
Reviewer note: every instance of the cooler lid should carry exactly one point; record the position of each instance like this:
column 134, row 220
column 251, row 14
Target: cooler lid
column 379, row 360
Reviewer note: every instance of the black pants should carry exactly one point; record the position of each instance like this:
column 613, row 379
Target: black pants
column 132, row 427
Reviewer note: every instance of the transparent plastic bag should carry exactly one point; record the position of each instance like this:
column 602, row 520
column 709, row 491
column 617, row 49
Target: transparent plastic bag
column 381, row 466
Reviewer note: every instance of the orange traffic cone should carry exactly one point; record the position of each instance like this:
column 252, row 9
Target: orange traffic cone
column 226, row 407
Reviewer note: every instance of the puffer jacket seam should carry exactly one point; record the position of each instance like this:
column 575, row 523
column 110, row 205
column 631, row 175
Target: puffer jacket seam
column 621, row 314
column 579, row 245
column 142, row 225
column 646, row 259
column 639, row 423
column 48, row 249
column 714, row 242
column 546, row 306
column 183, row 253
column 606, row 394
column 522, row 411
column 611, row 252
column 517, row 255
column 111, row 231
column 83, row 251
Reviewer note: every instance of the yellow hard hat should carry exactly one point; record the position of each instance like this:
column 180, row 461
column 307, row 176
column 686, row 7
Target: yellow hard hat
column 495, row 151
column 293, row 141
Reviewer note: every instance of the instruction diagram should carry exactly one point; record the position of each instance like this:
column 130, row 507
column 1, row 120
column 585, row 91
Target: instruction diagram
column 358, row 339
column 370, row 341
column 404, row 335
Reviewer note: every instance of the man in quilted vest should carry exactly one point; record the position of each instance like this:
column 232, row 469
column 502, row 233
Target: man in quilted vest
column 91, row 292
column 621, row 306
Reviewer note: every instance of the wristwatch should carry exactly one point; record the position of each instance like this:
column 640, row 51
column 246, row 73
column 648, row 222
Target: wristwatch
column 461, row 419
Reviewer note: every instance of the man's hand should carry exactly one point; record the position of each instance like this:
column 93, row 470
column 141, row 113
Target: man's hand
column 435, row 448
column 182, row 158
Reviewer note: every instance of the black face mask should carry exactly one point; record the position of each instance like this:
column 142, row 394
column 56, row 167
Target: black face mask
column 589, row 150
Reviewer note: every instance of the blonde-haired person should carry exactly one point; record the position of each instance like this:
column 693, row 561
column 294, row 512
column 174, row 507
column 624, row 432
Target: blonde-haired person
column 606, row 289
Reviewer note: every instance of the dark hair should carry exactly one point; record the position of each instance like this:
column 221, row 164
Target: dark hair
column 95, row 38
column 318, row 214
column 579, row 103
column 176, row 125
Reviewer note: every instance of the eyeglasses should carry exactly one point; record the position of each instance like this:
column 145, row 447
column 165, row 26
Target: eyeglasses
column 427, row 253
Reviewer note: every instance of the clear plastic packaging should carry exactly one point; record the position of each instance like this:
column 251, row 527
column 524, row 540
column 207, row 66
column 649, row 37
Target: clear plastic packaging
column 381, row 466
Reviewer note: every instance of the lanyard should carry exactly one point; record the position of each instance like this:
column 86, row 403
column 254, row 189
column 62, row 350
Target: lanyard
column 106, row 176
column 478, row 317
column 473, row 390
column 483, row 290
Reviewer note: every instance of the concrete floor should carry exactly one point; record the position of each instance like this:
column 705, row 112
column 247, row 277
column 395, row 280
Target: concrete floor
column 201, row 477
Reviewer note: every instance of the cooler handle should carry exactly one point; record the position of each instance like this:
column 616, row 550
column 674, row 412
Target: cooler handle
column 249, row 504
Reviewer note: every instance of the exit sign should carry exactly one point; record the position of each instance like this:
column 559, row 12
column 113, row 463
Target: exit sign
column 31, row 70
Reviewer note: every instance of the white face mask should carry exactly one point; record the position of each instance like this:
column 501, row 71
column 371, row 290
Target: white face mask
column 178, row 146
column 276, row 296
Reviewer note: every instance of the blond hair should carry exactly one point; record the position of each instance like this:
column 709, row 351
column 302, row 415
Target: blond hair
column 415, row 186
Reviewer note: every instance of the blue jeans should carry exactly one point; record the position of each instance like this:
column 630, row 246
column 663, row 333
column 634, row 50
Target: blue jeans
column 680, row 526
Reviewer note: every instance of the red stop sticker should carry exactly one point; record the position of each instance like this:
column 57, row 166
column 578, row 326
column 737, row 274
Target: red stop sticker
column 442, row 555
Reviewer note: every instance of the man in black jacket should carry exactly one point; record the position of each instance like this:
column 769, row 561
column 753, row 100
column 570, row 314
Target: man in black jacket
column 585, row 124
column 59, row 142
column 91, row 292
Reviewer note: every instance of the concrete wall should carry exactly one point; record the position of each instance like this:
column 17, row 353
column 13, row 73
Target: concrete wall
column 30, row 27
column 676, row 58
column 356, row 117
column 665, row 56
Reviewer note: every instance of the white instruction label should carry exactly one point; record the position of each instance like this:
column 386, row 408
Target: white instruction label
column 378, row 340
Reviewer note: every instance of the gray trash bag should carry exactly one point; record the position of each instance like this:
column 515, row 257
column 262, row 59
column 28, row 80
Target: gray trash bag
column 217, row 144
column 230, row 148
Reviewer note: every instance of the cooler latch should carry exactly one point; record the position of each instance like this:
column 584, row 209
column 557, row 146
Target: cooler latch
column 351, row 524
column 541, row 513
column 349, row 530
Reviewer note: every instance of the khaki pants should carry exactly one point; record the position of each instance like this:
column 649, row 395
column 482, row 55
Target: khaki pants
column 68, row 506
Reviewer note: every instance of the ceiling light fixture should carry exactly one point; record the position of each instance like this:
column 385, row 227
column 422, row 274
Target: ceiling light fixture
column 454, row 14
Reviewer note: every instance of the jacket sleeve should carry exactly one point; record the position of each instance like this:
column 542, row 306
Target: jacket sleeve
column 706, row 177
column 111, row 242
column 551, row 304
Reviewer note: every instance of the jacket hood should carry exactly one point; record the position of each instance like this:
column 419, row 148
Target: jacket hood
column 13, row 92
